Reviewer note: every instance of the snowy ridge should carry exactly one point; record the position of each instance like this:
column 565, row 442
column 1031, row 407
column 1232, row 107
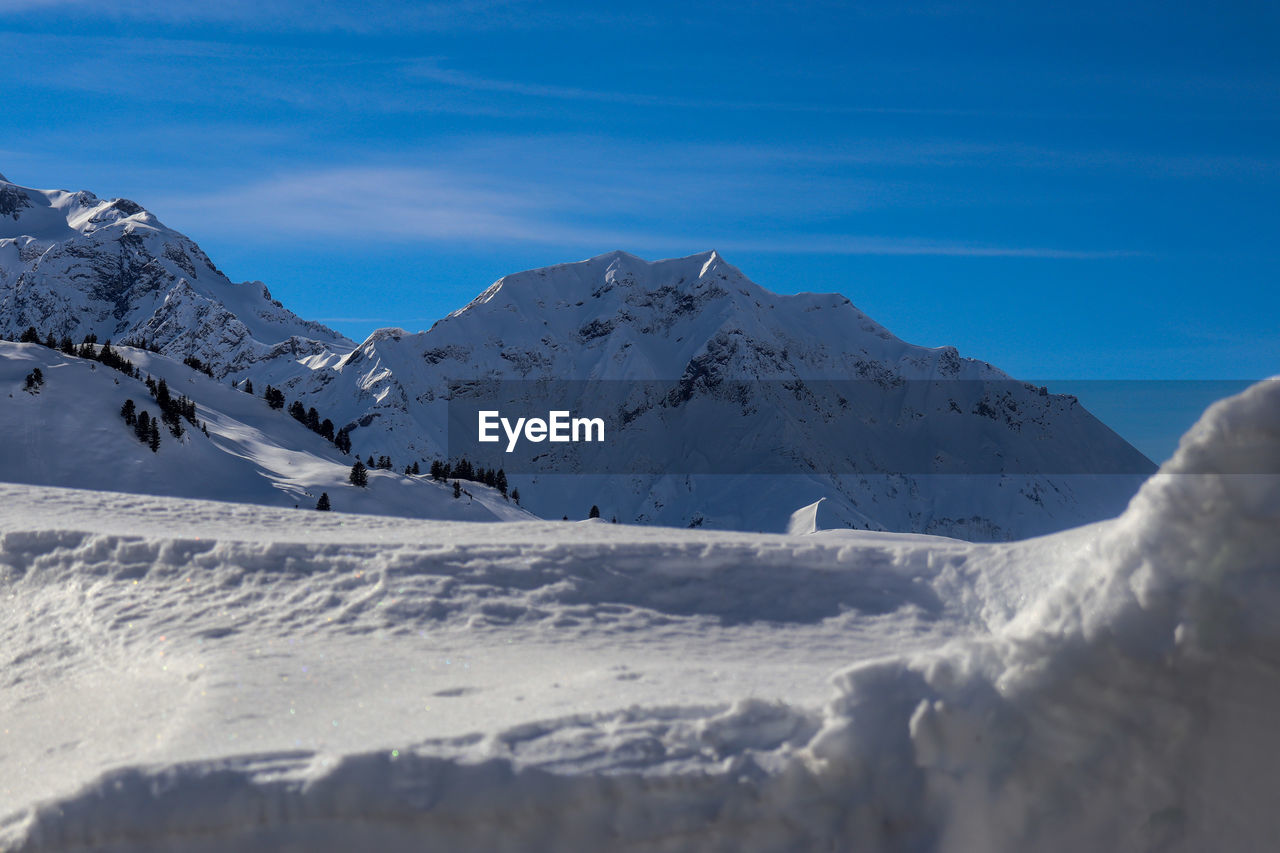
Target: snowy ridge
column 1109, row 688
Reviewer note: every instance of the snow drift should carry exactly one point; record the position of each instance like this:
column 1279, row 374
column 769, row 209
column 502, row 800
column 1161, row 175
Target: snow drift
column 1108, row 688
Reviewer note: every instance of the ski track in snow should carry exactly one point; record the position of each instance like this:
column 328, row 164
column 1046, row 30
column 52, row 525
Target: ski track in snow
column 186, row 675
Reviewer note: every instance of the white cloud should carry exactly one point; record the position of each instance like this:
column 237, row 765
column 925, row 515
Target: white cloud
column 448, row 205
column 370, row 16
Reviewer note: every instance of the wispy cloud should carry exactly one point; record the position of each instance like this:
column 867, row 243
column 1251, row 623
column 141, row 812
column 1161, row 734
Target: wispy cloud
column 448, row 206
column 862, row 244
column 433, row 71
column 383, row 322
column 367, row 17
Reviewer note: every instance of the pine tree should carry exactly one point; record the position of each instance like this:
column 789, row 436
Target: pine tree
column 323, row 503
column 326, row 429
column 342, row 440
column 67, row 346
column 515, row 496
column 154, row 439
column 359, row 475
column 30, row 336
column 51, row 342
column 436, row 469
column 248, row 386
column 595, row 512
column 298, row 413
column 370, row 462
column 129, row 411
column 457, row 489
column 142, row 426
column 416, row 469
column 500, row 482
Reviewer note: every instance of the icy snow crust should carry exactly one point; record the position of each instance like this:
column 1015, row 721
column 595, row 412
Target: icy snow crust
column 299, row 682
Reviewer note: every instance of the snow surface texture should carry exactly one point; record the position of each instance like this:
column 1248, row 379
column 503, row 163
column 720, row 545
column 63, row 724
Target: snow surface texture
column 73, row 264
column 301, row 681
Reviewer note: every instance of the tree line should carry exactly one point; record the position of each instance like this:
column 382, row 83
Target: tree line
column 464, row 470
column 145, row 427
column 440, row 471
column 87, row 349
column 173, row 410
column 310, row 418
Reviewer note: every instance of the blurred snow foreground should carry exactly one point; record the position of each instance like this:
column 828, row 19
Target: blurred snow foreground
column 293, row 681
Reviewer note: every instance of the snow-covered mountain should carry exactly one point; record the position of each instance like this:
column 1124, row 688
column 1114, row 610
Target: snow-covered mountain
column 730, row 406
column 74, row 264
column 896, row 436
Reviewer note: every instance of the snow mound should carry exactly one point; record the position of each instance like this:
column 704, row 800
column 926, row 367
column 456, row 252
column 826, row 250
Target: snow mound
column 1109, row 688
column 1130, row 708
column 804, row 520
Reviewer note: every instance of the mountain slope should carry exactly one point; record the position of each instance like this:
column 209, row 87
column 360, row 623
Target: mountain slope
column 70, row 433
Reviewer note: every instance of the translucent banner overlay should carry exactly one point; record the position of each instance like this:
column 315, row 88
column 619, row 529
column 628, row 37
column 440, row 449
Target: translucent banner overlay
column 704, row 425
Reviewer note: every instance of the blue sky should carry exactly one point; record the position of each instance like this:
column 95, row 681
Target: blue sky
column 1081, row 191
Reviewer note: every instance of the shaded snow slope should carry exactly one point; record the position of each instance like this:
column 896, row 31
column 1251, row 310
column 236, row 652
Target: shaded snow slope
column 288, row 682
column 71, row 433
column 74, row 264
